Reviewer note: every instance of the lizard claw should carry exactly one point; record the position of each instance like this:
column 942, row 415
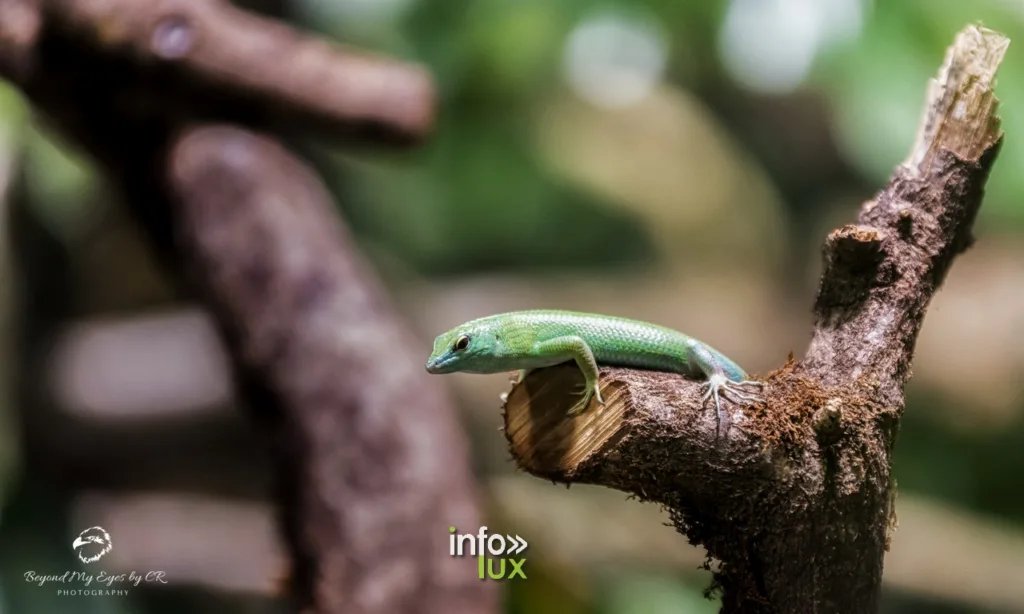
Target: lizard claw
column 744, row 384
column 728, row 391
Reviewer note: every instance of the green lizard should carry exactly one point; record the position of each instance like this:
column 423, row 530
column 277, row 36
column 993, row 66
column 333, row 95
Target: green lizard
column 527, row 340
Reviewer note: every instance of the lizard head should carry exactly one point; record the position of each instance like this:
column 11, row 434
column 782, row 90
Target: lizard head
column 465, row 348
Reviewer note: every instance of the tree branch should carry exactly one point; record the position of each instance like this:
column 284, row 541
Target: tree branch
column 207, row 59
column 372, row 465
column 376, row 472
column 795, row 502
column 881, row 274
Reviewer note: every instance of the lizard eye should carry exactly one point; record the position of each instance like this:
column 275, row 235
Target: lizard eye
column 461, row 343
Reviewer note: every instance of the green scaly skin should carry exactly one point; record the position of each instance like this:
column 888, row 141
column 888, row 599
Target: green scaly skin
column 527, row 340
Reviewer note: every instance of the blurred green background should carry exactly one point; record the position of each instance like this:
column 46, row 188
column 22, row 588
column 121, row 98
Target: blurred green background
column 678, row 162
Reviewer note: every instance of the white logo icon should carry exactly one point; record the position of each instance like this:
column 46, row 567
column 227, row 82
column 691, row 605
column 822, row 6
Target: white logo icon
column 517, row 544
column 92, row 544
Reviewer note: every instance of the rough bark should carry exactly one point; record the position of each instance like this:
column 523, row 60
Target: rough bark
column 795, row 500
column 372, row 465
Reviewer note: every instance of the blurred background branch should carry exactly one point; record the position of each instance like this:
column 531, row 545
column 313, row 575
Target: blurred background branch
column 359, row 486
column 369, row 455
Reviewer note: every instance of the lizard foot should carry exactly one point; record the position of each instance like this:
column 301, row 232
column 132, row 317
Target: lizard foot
column 719, row 386
column 588, row 391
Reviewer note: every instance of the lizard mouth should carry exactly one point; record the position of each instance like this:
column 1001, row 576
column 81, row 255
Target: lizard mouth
column 437, row 365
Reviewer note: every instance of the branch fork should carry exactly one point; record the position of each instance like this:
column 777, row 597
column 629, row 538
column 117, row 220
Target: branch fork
column 795, row 500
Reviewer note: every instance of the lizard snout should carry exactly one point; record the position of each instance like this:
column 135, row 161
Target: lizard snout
column 434, row 364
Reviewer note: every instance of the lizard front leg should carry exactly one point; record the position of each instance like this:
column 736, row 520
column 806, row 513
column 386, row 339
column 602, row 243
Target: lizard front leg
column 571, row 346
